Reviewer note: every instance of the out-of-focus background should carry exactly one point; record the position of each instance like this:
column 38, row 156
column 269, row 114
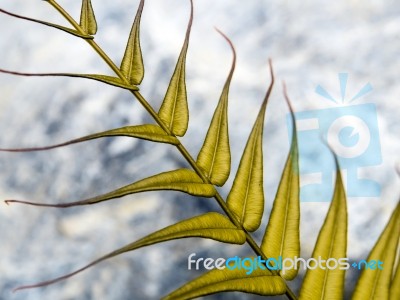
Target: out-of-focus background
column 310, row 42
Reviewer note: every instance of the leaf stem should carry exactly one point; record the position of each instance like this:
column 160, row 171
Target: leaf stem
column 289, row 293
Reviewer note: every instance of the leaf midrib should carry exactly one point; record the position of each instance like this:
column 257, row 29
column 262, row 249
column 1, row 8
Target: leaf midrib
column 250, row 175
column 286, row 207
column 179, row 74
column 218, row 135
column 330, row 251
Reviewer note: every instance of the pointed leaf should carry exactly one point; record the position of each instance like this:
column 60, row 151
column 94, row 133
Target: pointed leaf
column 174, row 110
column 215, row 157
column 65, row 29
column 260, row 282
column 327, row 283
column 282, row 237
column 148, row 132
column 210, row 225
column 132, row 62
column 375, row 283
column 183, row 180
column 246, row 198
column 88, row 19
column 111, row 80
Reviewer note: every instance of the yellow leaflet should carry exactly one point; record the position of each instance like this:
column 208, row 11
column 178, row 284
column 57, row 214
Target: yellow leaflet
column 331, row 243
column 375, row 283
column 148, row 132
column 66, row 29
column 182, row 180
column 210, row 225
column 260, row 282
column 111, row 80
column 282, row 237
column 174, row 110
column 132, row 62
column 215, row 156
column 88, row 19
column 246, row 198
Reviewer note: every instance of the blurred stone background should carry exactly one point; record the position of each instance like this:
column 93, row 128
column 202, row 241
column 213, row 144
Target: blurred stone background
column 309, row 41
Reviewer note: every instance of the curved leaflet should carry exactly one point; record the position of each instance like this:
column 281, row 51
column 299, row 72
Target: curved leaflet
column 246, row 198
column 132, row 63
column 111, row 80
column 182, row 180
column 148, row 132
column 282, row 237
column 65, row 29
column 174, row 110
column 214, row 157
column 327, row 283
